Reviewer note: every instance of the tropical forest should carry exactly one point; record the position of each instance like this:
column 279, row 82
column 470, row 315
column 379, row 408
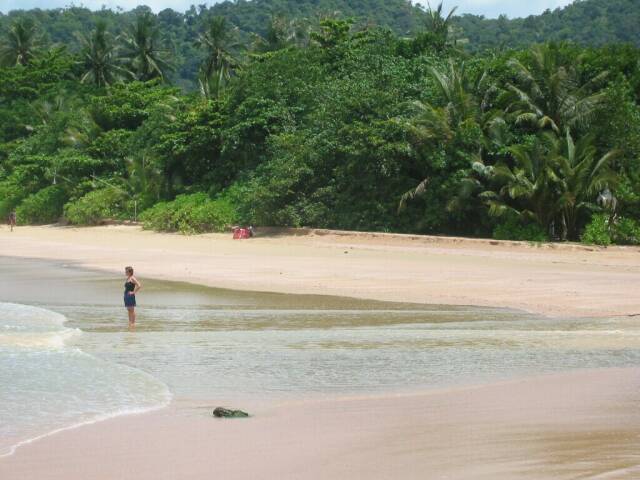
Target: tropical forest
column 366, row 115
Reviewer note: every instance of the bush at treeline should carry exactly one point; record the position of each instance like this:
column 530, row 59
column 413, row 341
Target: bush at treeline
column 98, row 205
column 605, row 230
column 328, row 126
column 195, row 213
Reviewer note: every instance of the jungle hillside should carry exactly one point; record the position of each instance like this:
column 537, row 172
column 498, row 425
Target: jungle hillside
column 365, row 115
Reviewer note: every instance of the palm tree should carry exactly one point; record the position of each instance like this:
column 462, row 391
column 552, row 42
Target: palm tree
column 465, row 104
column 218, row 42
column 20, row 44
column 214, row 85
column 549, row 93
column 466, row 98
column 145, row 178
column 332, row 31
column 460, row 102
column 143, row 49
column 479, row 179
column 283, row 33
column 552, row 182
column 583, row 175
column 299, row 32
column 99, row 58
column 439, row 25
column 45, row 109
column 527, row 189
column 276, row 38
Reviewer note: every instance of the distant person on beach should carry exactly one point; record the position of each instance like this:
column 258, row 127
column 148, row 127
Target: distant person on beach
column 12, row 219
column 131, row 287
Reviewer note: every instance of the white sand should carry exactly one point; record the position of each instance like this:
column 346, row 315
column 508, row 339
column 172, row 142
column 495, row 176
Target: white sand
column 580, row 425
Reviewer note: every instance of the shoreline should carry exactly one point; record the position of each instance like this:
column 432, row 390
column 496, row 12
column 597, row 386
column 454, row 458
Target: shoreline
column 572, row 281
column 308, row 399
column 85, row 423
column 541, row 427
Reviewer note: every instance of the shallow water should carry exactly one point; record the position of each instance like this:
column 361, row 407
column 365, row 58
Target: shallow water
column 72, row 359
column 46, row 383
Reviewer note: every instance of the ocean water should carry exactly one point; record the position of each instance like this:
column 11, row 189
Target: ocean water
column 67, row 356
column 47, row 385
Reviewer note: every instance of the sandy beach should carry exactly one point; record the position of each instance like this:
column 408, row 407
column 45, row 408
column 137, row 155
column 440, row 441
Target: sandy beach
column 582, row 424
column 553, row 280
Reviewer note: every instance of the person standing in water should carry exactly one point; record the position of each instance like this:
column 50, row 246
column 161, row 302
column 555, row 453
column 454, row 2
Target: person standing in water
column 131, row 287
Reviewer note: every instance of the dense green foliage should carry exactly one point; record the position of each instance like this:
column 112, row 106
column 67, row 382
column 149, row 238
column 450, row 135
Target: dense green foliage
column 515, row 230
column 98, row 205
column 42, row 207
column 173, row 37
column 317, row 123
column 586, row 22
column 195, row 213
column 605, row 230
column 597, row 232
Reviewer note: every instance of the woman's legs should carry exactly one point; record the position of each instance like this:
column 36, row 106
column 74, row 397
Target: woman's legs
column 132, row 316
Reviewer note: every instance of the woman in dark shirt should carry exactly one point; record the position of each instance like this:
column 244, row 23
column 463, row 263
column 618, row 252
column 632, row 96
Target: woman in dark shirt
column 131, row 287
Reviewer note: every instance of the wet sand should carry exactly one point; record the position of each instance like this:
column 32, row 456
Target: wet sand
column 583, row 425
column 578, row 425
column 554, row 280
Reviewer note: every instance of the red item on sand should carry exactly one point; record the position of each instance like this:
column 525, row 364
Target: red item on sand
column 241, row 233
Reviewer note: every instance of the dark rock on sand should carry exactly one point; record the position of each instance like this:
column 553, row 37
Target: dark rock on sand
column 221, row 412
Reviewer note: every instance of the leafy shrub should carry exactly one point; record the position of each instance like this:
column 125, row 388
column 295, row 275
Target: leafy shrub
column 515, row 230
column 42, row 207
column 597, row 231
column 97, row 206
column 10, row 196
column 127, row 105
column 626, row 232
column 23, row 181
column 195, row 213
